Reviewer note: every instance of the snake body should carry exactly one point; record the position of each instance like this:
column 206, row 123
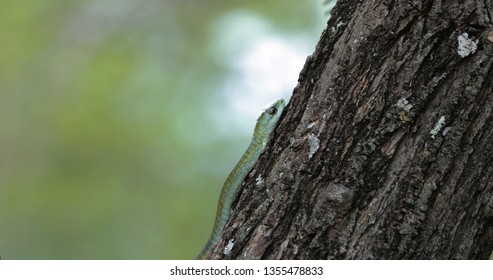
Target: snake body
column 266, row 123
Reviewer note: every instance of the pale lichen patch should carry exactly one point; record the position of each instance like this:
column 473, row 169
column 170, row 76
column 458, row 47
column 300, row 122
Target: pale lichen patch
column 259, row 180
column 313, row 144
column 312, row 124
column 228, row 247
column 467, row 46
column 404, row 104
column 437, row 127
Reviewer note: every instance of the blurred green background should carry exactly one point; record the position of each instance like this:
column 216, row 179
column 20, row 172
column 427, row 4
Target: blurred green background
column 121, row 119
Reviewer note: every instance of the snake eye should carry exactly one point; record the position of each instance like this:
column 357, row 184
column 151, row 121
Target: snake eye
column 272, row 111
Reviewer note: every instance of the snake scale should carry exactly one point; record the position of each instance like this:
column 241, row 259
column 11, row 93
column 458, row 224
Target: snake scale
column 266, row 123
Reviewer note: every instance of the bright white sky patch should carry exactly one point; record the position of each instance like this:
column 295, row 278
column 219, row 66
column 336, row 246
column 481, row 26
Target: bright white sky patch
column 265, row 66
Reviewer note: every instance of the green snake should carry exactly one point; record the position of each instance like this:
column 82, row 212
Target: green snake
column 266, row 123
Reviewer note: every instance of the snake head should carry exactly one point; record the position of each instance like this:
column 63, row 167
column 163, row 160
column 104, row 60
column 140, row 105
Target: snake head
column 267, row 121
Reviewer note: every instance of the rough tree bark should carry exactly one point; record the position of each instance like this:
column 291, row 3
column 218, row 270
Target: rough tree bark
column 385, row 150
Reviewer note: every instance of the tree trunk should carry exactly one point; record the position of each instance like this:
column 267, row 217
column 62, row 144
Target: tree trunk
column 385, row 150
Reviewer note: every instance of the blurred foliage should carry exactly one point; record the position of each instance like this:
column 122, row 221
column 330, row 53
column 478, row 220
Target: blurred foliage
column 107, row 141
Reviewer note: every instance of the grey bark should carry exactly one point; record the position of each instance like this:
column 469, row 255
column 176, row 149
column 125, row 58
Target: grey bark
column 385, row 150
